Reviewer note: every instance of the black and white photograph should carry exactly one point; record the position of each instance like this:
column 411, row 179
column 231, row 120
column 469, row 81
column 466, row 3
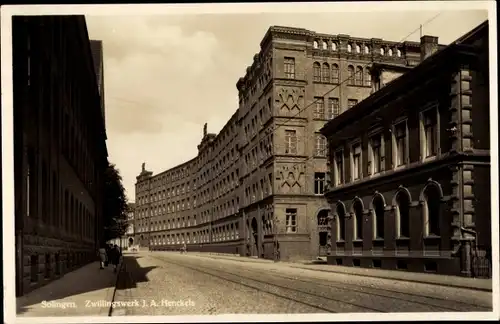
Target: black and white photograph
column 324, row 161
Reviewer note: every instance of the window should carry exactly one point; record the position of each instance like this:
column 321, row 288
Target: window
column 319, row 183
column 315, row 44
column 320, row 149
column 349, row 48
column 319, row 112
column 326, row 72
column 358, row 49
column 379, row 214
column 351, row 103
column 402, row 214
column 289, row 68
column 400, row 153
column 350, row 73
column 325, row 45
column 334, row 46
column 333, row 108
column 368, row 78
column 340, row 222
column 376, row 155
column 356, row 161
column 316, row 72
column 359, row 76
column 335, row 73
column 429, row 142
column 432, row 202
column 358, row 219
column 290, row 142
column 339, row 168
column 291, row 220
column 367, row 50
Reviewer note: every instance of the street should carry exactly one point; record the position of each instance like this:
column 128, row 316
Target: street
column 170, row 283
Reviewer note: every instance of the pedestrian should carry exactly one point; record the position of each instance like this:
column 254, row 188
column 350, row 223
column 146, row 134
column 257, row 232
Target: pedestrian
column 102, row 256
column 115, row 255
column 184, row 247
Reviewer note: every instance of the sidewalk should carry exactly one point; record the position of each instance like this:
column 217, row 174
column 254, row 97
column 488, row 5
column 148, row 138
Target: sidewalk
column 72, row 295
column 425, row 278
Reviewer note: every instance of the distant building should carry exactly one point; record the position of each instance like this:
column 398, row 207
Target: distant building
column 60, row 150
column 130, row 230
column 253, row 190
column 410, row 166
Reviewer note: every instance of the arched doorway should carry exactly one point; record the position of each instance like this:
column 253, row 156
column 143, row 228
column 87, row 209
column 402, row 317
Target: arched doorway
column 322, row 219
column 254, row 245
column 130, row 241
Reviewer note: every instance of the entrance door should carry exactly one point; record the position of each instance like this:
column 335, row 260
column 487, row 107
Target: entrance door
column 255, row 238
column 323, row 233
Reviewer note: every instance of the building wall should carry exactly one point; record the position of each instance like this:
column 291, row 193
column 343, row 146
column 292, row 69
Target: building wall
column 267, row 179
column 458, row 171
column 60, row 149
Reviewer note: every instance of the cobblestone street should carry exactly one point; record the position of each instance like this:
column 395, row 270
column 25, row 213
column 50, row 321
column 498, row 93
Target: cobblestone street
column 169, row 283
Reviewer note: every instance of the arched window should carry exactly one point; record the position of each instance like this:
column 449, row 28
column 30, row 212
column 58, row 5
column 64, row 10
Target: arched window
column 359, row 76
column 368, row 77
column 367, row 50
column 326, row 72
column 389, row 52
column 431, row 210
column 315, row 44
column 358, row 219
column 382, row 52
column 335, row 73
column 350, row 73
column 358, row 49
column 334, row 46
column 325, row 45
column 340, row 222
column 379, row 216
column 398, row 52
column 349, row 47
column 316, row 72
column 402, row 214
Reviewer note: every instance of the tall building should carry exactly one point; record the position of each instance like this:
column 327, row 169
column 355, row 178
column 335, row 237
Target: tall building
column 256, row 188
column 60, row 152
column 411, row 166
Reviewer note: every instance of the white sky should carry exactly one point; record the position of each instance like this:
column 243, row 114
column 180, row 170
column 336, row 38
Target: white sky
column 166, row 75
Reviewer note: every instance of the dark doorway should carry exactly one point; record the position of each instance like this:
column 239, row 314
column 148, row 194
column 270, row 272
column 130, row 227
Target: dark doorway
column 323, row 232
column 130, row 241
column 255, row 238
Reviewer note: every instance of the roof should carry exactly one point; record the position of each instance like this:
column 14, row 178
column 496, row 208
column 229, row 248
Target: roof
column 410, row 79
column 96, row 48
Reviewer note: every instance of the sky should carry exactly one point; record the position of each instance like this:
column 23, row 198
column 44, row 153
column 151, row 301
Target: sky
column 167, row 75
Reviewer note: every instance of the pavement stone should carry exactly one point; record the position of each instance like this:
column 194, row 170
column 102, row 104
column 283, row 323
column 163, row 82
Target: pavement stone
column 216, row 286
column 87, row 291
column 427, row 278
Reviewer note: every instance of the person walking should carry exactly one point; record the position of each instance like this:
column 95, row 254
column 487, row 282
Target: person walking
column 115, row 255
column 102, row 256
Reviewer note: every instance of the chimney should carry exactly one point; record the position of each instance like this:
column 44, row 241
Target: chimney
column 428, row 46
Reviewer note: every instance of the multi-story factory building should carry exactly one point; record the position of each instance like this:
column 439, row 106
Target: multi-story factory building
column 60, row 153
column 257, row 187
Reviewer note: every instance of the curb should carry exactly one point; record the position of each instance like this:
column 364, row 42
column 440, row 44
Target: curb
column 298, row 266
column 400, row 279
column 119, row 271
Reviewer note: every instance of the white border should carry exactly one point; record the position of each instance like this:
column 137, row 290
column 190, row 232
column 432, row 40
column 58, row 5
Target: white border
column 162, row 9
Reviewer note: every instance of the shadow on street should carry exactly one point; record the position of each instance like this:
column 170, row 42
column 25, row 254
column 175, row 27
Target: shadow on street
column 132, row 273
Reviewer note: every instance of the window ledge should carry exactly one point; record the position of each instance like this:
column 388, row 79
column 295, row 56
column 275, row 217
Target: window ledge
column 432, row 237
column 378, row 239
column 357, row 241
column 403, row 238
column 340, row 241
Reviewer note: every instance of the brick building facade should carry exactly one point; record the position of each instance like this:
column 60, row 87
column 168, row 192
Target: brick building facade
column 59, row 148
column 410, row 166
column 256, row 188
